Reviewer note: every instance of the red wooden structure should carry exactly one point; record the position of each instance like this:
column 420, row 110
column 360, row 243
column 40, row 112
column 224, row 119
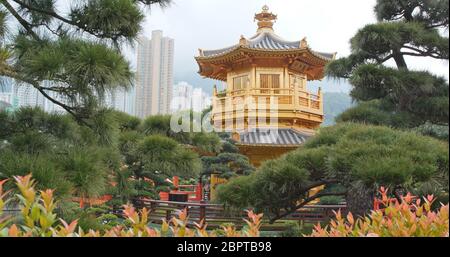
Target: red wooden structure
column 194, row 192
column 216, row 214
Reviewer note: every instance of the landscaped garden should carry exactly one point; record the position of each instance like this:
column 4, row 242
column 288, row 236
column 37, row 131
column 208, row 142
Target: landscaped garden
column 381, row 171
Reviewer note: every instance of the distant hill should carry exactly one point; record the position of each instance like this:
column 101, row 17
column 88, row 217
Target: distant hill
column 335, row 104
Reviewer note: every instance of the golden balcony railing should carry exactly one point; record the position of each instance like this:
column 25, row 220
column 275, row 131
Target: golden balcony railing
column 285, row 99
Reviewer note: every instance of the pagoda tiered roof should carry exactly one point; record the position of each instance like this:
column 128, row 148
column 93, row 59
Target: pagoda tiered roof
column 266, row 41
column 260, row 70
column 273, row 137
column 265, row 49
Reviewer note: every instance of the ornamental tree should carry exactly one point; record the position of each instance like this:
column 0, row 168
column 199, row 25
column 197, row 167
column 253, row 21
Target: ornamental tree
column 164, row 155
column 227, row 165
column 62, row 154
column 397, row 96
column 70, row 55
column 201, row 141
column 229, row 162
column 348, row 159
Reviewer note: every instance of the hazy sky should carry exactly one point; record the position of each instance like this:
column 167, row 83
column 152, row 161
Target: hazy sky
column 210, row 24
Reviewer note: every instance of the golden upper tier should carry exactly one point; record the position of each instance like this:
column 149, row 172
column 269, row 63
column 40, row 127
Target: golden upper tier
column 266, row 79
column 265, row 20
column 265, row 49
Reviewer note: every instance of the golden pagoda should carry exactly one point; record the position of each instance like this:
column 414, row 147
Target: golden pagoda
column 266, row 77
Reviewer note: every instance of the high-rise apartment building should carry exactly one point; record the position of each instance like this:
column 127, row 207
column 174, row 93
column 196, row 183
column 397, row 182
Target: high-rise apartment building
column 200, row 100
column 6, row 100
column 120, row 100
column 154, row 78
column 28, row 96
column 186, row 97
column 23, row 95
column 6, row 93
column 182, row 97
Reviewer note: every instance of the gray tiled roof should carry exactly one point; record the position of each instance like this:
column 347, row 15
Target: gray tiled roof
column 210, row 53
column 286, row 137
column 265, row 41
column 271, row 41
column 326, row 55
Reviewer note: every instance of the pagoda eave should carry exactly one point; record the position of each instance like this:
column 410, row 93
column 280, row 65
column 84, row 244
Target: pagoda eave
column 247, row 51
column 304, row 60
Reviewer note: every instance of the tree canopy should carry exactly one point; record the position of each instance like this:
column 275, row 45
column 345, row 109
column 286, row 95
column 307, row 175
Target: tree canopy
column 348, row 159
column 410, row 98
column 164, row 155
column 127, row 161
column 72, row 57
column 61, row 154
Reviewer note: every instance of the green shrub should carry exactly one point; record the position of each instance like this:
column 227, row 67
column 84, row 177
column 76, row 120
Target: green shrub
column 331, row 200
column 353, row 158
column 292, row 230
column 40, row 220
column 407, row 217
column 236, row 193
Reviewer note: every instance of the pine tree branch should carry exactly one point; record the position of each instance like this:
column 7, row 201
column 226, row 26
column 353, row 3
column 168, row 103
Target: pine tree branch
column 307, row 200
column 8, row 72
column 162, row 3
column 53, row 14
column 23, row 22
column 385, row 59
column 437, row 25
column 61, row 18
column 47, row 12
column 422, row 53
column 304, row 203
column 320, row 183
column 426, row 54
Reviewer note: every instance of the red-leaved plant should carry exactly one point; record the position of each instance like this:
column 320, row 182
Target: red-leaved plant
column 39, row 220
column 412, row 217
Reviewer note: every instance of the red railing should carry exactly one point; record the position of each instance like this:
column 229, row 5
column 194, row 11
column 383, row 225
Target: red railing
column 194, row 192
column 215, row 214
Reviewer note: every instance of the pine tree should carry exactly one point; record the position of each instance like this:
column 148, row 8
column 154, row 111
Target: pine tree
column 71, row 57
column 398, row 97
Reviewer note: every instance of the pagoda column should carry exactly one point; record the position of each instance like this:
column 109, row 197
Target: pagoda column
column 320, row 93
column 296, row 96
column 286, row 77
column 253, row 82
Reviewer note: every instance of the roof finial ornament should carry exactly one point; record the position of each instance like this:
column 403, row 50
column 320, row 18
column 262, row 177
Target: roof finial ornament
column 243, row 41
column 265, row 20
column 304, row 43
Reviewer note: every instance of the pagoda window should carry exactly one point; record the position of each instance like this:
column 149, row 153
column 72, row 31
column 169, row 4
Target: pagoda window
column 270, row 81
column 240, row 83
column 297, row 82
